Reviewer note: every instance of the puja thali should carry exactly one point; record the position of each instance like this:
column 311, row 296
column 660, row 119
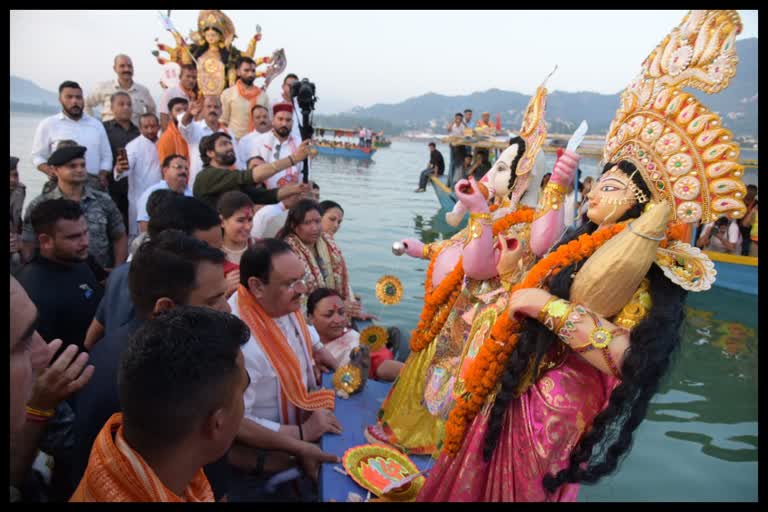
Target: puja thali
column 376, row 467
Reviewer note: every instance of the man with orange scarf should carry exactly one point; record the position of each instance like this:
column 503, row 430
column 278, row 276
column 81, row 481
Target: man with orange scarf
column 238, row 101
column 280, row 356
column 171, row 142
column 181, row 384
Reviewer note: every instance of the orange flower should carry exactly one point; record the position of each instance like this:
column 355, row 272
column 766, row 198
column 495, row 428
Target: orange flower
column 432, row 317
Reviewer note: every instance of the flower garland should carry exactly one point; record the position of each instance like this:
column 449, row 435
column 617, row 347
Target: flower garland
column 496, row 349
column 439, row 302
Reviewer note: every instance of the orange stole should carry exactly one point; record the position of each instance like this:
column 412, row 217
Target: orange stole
column 118, row 473
column 171, row 142
column 252, row 96
column 283, row 359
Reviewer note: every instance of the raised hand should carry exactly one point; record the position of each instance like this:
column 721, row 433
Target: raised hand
column 67, row 375
column 468, row 192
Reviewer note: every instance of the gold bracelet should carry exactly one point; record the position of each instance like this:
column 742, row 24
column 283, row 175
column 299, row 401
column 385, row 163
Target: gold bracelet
column 475, row 226
column 553, row 311
column 425, row 250
column 551, row 199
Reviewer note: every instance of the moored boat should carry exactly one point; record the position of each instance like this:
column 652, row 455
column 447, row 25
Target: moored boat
column 341, row 142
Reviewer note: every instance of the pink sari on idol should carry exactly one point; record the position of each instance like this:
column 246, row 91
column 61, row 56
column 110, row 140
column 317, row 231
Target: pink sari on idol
column 540, row 429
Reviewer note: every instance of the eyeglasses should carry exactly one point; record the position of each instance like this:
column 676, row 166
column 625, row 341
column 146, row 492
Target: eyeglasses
column 277, row 151
column 296, row 282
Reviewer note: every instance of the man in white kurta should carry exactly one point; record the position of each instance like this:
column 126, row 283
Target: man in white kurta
column 280, row 298
column 194, row 131
column 143, row 169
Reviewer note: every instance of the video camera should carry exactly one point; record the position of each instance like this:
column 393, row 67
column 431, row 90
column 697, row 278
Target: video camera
column 304, row 92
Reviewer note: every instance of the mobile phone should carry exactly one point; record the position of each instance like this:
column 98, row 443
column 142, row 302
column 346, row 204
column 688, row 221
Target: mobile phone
column 122, row 153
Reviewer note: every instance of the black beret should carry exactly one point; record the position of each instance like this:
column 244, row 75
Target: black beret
column 66, row 154
column 14, row 163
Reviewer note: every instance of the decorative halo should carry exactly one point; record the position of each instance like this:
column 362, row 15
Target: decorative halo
column 374, row 466
column 389, row 290
column 347, row 378
column 374, row 337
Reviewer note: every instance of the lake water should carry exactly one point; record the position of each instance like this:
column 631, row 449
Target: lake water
column 699, row 439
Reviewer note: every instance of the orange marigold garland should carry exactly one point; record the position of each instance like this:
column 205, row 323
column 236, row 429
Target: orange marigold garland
column 493, row 354
column 439, row 302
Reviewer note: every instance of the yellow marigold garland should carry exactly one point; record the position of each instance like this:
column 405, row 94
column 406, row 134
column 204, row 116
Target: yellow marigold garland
column 438, row 302
column 493, row 354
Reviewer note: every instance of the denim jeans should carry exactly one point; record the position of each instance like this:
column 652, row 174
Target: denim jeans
column 424, row 177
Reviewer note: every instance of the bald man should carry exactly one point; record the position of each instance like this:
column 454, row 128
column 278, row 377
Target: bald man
column 141, row 99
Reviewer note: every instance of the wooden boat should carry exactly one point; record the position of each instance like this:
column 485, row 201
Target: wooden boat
column 341, row 142
column 738, row 273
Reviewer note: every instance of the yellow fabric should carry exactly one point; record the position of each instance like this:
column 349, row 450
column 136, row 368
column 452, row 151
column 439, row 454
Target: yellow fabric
column 414, row 428
column 753, row 231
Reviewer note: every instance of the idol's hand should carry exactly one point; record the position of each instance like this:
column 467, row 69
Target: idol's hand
column 468, row 192
column 565, row 168
column 413, row 248
column 511, row 251
column 527, row 302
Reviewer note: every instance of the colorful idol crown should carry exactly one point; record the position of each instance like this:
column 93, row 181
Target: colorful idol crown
column 679, row 146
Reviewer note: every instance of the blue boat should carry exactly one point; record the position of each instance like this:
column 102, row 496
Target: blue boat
column 738, row 273
column 357, row 152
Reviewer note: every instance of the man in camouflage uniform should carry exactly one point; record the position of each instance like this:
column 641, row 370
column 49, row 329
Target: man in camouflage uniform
column 108, row 243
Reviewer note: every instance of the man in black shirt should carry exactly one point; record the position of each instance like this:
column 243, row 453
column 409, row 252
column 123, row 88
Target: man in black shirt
column 120, row 131
column 436, row 167
column 58, row 280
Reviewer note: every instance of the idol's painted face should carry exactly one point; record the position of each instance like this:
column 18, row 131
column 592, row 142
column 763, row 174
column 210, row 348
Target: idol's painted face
column 212, row 36
column 610, row 198
column 502, row 170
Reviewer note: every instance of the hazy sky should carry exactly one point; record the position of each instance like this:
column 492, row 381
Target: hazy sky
column 367, row 57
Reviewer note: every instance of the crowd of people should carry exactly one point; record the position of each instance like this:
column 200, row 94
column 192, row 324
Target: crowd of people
column 176, row 294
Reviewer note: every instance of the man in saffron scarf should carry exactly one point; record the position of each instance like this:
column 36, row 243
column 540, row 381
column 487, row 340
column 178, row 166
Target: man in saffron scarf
column 280, row 356
column 171, row 142
column 238, row 101
column 181, row 387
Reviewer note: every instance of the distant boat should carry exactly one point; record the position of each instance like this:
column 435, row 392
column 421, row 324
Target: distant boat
column 342, row 142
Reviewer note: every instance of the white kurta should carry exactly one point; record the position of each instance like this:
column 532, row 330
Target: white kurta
column 141, row 208
column 143, row 172
column 262, row 398
column 87, row 131
column 193, row 133
column 269, row 220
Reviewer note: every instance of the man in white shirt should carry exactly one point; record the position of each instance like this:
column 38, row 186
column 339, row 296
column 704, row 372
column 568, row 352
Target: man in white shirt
column 72, row 124
column 273, row 276
column 141, row 99
column 194, row 131
column 277, row 144
column 175, row 171
column 721, row 236
column 140, row 164
column 187, row 89
column 247, row 145
column 270, row 218
column 236, row 101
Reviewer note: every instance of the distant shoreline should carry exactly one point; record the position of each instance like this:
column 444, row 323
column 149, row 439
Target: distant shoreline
column 28, row 108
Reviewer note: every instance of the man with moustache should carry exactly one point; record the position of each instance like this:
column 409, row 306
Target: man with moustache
column 58, row 280
column 72, row 124
column 238, row 101
column 261, row 124
column 141, row 99
column 283, row 395
column 141, row 166
column 187, row 90
column 107, row 240
column 175, row 171
column 278, row 144
column 217, row 177
column 194, row 131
